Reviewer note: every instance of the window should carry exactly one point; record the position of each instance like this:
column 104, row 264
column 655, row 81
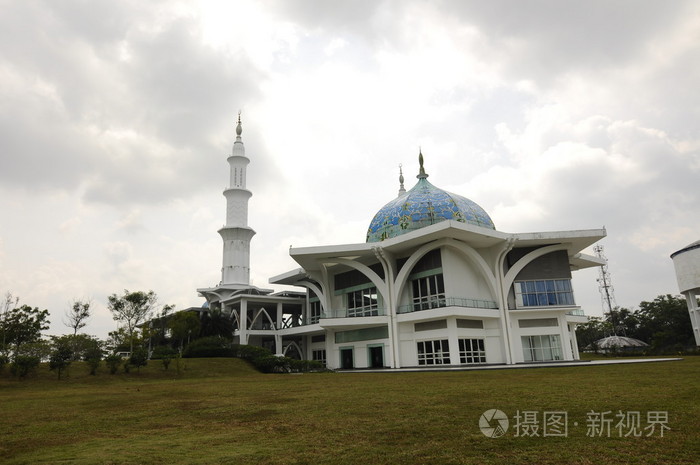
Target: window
column 365, row 334
column 430, row 325
column 541, row 348
column 472, row 351
column 470, row 324
column 319, row 356
column 314, row 310
column 364, row 302
column 544, row 292
column 537, row 322
column 428, row 292
column 434, row 352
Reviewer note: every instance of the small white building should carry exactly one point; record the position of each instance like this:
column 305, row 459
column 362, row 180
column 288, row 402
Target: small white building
column 433, row 284
column 687, row 264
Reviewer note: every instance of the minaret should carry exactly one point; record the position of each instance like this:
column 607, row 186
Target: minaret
column 236, row 233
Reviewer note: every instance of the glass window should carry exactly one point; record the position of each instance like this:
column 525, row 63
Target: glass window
column 541, row 348
column 435, row 352
column 319, row 356
column 364, row 302
column 472, row 351
column 314, row 311
column 544, row 292
column 428, row 292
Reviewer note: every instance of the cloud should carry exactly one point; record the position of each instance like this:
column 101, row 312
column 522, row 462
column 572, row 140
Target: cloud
column 121, row 99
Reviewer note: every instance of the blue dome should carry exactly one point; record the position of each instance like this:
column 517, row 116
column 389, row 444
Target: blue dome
column 422, row 206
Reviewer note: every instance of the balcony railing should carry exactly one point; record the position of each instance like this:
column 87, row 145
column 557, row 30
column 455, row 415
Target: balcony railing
column 576, row 312
column 287, row 322
column 440, row 302
column 353, row 313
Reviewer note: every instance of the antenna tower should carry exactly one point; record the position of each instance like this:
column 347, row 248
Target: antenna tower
column 607, row 292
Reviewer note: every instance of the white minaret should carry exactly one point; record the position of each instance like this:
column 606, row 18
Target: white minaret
column 236, row 233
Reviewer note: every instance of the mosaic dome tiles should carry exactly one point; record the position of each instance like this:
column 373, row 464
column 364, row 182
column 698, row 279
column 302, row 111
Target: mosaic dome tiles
column 422, row 206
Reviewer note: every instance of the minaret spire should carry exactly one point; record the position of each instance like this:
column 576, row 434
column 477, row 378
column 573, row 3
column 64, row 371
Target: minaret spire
column 236, row 233
column 402, row 190
column 421, row 173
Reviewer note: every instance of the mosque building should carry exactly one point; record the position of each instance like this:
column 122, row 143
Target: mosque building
column 434, row 284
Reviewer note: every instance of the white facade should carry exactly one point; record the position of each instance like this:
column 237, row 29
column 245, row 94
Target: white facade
column 472, row 310
column 687, row 264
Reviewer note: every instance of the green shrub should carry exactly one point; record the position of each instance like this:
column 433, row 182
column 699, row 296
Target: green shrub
column 22, row 365
column 61, row 356
column 250, row 353
column 3, row 362
column 113, row 361
column 93, row 356
column 164, row 354
column 272, row 364
column 266, row 362
column 305, row 366
column 213, row 346
column 139, row 358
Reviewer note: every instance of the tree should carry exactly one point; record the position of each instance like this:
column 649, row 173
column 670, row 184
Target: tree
column 184, row 325
column 165, row 354
column 61, row 354
column 588, row 333
column 8, row 303
column 21, row 325
column 28, row 357
column 139, row 358
column 622, row 322
column 132, row 309
column 217, row 323
column 665, row 323
column 93, row 354
column 77, row 315
column 113, row 361
column 158, row 326
column 117, row 341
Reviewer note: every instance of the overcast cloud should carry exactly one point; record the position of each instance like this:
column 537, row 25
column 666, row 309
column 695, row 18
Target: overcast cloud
column 116, row 119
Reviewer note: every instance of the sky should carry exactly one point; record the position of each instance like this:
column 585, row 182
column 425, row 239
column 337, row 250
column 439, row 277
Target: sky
column 116, row 119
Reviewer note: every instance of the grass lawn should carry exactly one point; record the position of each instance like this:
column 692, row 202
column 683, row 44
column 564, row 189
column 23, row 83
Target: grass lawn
column 221, row 411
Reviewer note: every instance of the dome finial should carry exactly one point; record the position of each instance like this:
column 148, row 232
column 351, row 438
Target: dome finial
column 239, row 129
column 402, row 190
column 421, row 173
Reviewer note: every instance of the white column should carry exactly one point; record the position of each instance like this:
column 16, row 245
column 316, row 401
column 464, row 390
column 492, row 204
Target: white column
column 574, row 341
column 278, row 318
column 566, row 350
column 243, row 317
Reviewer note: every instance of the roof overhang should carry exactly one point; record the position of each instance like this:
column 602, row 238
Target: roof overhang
column 310, row 258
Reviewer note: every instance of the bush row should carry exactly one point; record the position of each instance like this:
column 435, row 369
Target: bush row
column 261, row 358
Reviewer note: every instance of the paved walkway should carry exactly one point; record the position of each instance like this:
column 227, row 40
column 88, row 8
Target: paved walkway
column 572, row 363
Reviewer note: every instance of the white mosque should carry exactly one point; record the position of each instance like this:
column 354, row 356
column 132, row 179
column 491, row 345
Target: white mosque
column 434, row 284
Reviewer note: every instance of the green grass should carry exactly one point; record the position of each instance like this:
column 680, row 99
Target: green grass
column 221, row 411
